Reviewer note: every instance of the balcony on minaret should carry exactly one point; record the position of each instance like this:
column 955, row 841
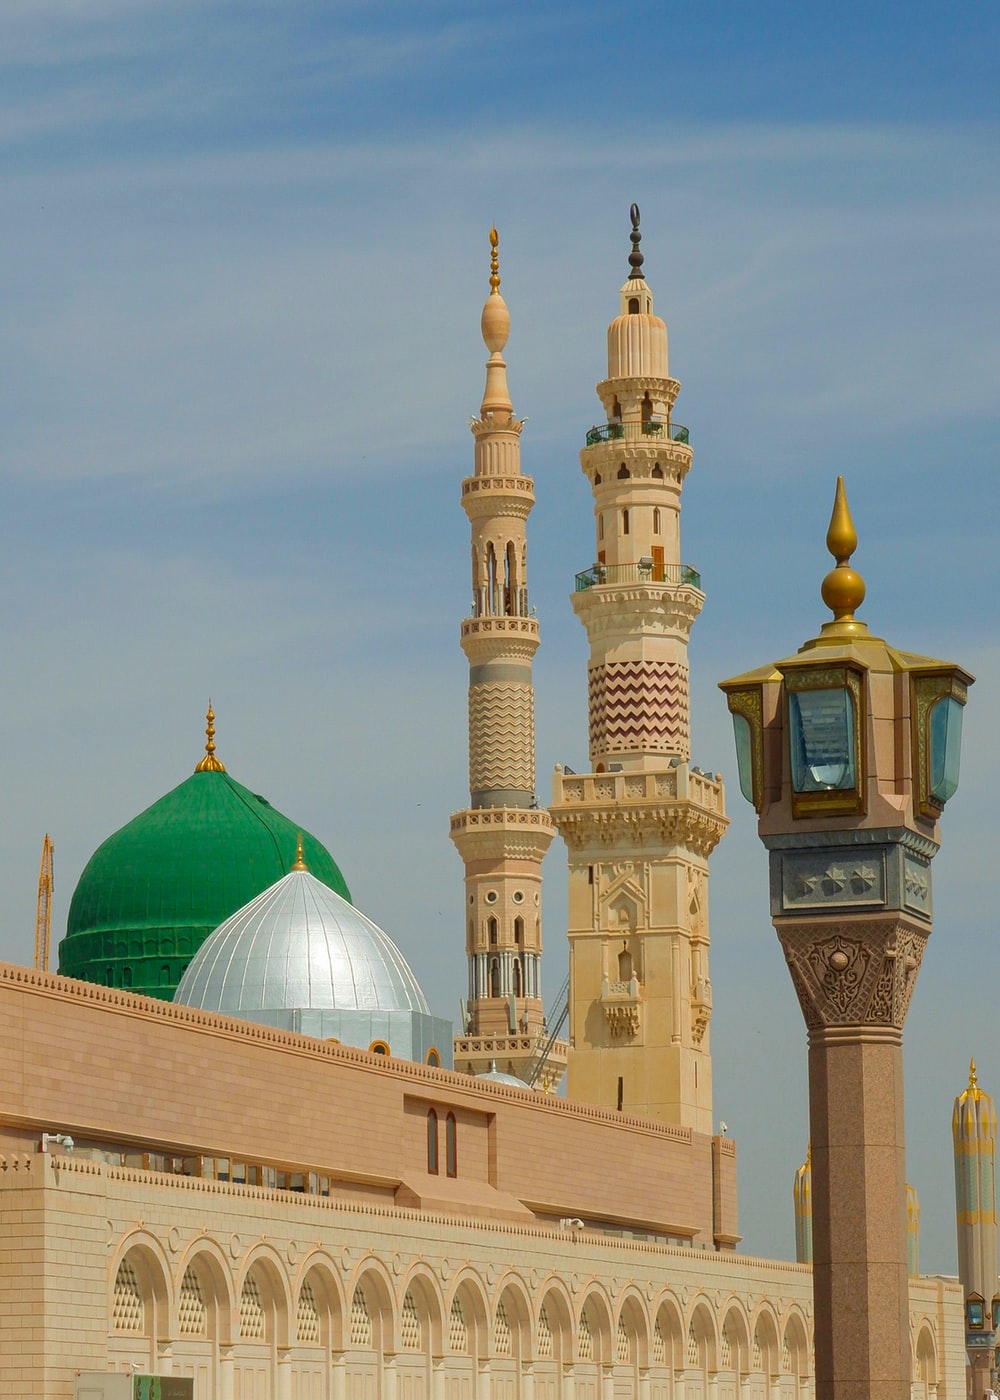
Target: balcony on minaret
column 653, row 427
column 621, row 1004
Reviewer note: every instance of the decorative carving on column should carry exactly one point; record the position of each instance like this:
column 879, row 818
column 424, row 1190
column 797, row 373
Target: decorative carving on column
column 864, row 975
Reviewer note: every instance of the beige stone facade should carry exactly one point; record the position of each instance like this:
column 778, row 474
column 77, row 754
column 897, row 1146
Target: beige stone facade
column 525, row 1274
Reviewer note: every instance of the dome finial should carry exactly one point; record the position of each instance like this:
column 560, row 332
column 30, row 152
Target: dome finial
column 299, row 861
column 210, row 764
column 843, row 589
column 635, row 258
column 494, row 262
column 973, row 1079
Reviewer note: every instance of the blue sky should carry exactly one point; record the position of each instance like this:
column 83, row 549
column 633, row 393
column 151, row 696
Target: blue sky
column 242, row 257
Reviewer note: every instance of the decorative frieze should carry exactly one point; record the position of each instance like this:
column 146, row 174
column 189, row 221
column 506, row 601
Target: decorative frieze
column 862, row 973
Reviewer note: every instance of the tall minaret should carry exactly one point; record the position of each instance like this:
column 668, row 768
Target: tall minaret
column 503, row 835
column 640, row 826
column 974, row 1136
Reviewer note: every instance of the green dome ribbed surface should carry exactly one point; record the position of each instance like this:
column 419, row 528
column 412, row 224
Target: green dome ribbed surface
column 153, row 892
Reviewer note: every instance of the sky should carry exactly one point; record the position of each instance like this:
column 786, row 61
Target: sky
column 243, row 252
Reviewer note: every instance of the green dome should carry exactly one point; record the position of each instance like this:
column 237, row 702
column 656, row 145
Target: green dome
column 153, row 892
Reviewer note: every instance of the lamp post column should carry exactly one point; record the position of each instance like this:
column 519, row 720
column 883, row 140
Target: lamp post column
column 849, row 751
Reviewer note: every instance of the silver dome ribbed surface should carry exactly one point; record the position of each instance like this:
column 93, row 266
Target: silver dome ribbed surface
column 299, row 946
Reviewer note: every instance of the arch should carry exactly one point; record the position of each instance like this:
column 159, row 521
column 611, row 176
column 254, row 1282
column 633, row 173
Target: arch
column 656, row 520
column 433, row 1057
column 657, row 471
column 421, row 1284
column 379, row 1047
column 519, row 929
column 139, row 1298
column 512, row 1319
column 646, row 407
column 492, row 930
column 668, row 1337
column 469, row 1293
column 494, row 977
column 734, row 1341
column 320, row 1273
column 925, row 1365
column 623, row 472
column 557, row 1307
column 595, row 1316
column 765, row 1350
column 518, row 978
column 625, row 521
column 265, row 1266
column 796, row 1341
column 701, row 1345
column 633, row 1325
column 379, row 1302
column 206, row 1261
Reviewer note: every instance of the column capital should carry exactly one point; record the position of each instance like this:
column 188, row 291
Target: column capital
column 855, row 972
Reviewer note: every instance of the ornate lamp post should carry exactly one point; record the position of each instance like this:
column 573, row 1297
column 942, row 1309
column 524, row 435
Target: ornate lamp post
column 849, row 751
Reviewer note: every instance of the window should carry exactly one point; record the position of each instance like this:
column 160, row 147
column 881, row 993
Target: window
column 657, row 472
column 623, row 472
column 600, row 527
column 165, row 975
column 451, row 1145
column 624, row 522
column 518, row 930
column 656, row 520
column 633, row 306
column 433, row 1058
column 379, row 1047
column 493, row 927
column 432, row 1142
column 494, row 977
column 126, row 977
column 597, row 478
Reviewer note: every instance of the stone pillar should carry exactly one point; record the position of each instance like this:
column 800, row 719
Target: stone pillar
column 854, row 980
column 284, row 1374
column 226, row 1367
column 338, row 1376
column 527, row 1381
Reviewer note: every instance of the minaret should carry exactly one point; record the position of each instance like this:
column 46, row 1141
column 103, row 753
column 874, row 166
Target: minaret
column 503, row 835
column 974, row 1136
column 639, row 827
column 802, row 1198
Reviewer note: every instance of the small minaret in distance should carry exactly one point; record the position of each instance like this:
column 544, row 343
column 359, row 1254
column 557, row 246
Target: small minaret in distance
column 503, row 834
column 974, row 1136
column 802, row 1197
column 640, row 825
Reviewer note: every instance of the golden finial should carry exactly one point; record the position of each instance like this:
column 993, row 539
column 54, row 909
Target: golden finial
column 973, row 1080
column 210, row 764
column 299, row 861
column 494, row 262
column 843, row 589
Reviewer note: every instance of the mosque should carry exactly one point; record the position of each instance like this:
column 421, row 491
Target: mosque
column 240, row 1153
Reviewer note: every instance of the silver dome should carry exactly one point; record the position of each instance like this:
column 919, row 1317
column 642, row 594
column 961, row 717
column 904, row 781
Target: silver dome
column 299, row 946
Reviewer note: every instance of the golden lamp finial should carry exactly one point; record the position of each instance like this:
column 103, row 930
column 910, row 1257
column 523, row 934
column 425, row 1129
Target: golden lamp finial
column 494, row 262
column 843, row 588
column 210, row 764
column 299, row 861
column 973, row 1078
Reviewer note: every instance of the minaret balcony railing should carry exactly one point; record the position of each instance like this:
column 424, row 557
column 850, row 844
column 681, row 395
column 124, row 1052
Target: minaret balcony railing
column 654, row 428
column 645, row 571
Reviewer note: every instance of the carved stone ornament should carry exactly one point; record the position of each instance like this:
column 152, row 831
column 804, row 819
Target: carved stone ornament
column 622, row 1018
column 863, row 974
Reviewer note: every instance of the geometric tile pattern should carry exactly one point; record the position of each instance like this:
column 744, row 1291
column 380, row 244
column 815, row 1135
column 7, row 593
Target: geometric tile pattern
column 659, row 1347
column 126, row 1314
column 544, row 1336
column 586, row 1340
column 251, row 1311
column 639, row 705
column 458, row 1332
column 361, row 1322
column 501, row 1332
column 624, row 1348
column 409, row 1324
column 307, row 1317
column 501, row 737
column 192, row 1315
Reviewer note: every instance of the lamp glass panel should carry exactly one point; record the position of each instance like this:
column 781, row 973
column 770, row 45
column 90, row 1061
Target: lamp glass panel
column 744, row 754
column 946, row 747
column 822, row 740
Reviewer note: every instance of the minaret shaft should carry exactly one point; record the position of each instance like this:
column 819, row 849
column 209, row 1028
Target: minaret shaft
column 640, row 826
column 503, row 835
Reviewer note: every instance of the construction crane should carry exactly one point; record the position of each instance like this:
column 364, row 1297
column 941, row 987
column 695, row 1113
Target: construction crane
column 43, row 919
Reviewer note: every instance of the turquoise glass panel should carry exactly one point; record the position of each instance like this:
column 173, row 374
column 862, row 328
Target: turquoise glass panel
column 744, row 754
column 946, row 747
column 822, row 740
